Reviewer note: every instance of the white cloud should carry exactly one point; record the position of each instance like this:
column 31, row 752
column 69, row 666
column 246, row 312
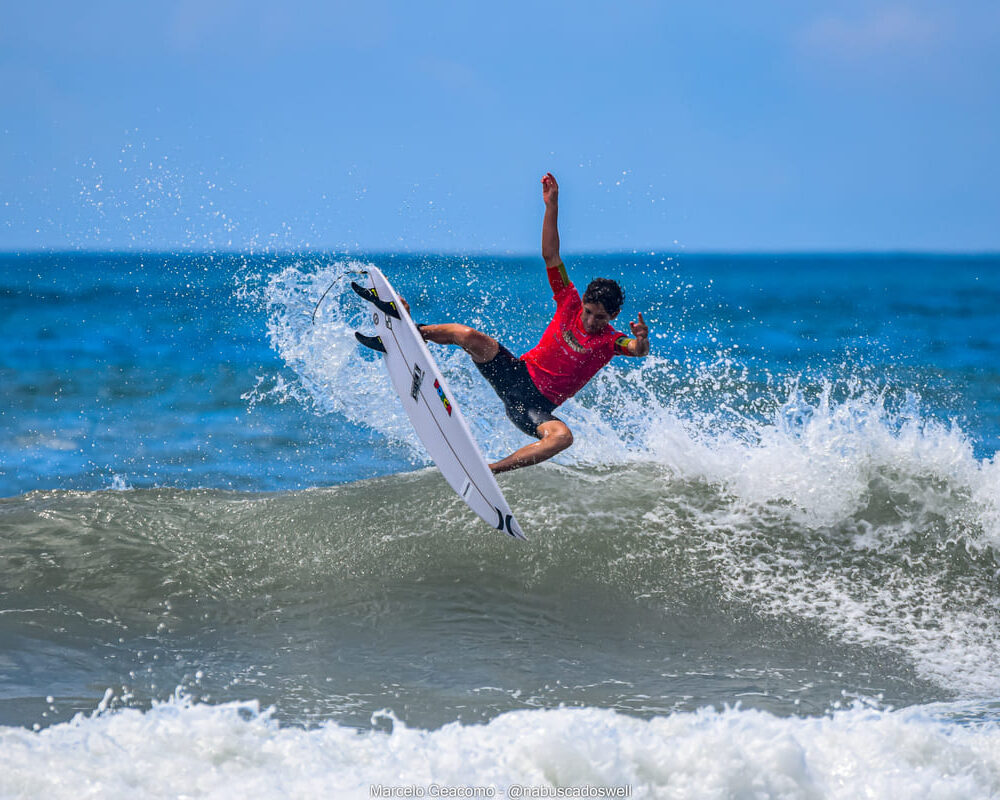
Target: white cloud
column 895, row 30
column 278, row 28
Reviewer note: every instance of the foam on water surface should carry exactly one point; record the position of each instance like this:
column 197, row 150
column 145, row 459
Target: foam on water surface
column 233, row 750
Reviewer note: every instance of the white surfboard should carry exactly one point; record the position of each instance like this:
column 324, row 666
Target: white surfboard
column 431, row 406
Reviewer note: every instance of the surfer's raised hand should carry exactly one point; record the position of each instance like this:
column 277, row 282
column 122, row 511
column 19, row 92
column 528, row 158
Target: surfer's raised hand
column 640, row 330
column 550, row 189
column 550, row 224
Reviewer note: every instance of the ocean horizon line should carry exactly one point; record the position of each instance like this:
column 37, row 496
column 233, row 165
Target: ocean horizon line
column 382, row 253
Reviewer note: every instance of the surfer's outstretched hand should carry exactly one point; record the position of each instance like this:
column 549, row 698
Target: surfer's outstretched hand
column 405, row 304
column 640, row 330
column 550, row 189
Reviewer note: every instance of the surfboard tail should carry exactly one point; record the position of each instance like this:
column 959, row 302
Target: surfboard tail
column 371, row 297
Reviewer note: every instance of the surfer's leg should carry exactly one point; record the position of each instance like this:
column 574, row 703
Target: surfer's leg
column 477, row 344
column 555, row 436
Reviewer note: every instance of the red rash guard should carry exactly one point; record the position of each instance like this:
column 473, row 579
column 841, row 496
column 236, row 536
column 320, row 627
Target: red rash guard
column 566, row 356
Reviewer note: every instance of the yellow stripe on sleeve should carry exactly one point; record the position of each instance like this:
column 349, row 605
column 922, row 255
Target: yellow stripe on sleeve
column 558, row 279
column 622, row 344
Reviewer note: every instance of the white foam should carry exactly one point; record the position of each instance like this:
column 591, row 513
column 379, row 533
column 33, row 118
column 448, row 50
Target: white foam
column 182, row 749
column 325, row 355
column 820, row 482
column 119, row 483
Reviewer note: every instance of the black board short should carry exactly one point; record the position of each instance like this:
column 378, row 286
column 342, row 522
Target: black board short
column 526, row 406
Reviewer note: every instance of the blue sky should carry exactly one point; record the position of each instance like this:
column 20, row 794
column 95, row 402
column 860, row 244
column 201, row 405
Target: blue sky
column 680, row 126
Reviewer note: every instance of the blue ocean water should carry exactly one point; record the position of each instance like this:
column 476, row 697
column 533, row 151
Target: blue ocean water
column 139, row 366
column 767, row 567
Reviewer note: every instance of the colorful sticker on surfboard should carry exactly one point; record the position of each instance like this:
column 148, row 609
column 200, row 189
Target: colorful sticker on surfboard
column 445, row 400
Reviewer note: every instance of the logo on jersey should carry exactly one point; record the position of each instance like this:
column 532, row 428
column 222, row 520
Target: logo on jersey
column 570, row 339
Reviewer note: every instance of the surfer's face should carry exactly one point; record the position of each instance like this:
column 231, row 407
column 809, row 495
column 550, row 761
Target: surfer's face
column 595, row 318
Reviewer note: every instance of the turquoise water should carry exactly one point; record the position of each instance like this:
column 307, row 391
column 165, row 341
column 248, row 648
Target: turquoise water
column 773, row 545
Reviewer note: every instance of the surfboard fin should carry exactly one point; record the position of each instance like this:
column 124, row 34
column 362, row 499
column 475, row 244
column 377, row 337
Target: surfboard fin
column 374, row 342
column 371, row 297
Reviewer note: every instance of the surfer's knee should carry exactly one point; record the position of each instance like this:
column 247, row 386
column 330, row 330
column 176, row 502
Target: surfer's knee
column 556, row 434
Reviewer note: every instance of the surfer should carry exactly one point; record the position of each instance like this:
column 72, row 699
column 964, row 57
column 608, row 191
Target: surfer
column 574, row 347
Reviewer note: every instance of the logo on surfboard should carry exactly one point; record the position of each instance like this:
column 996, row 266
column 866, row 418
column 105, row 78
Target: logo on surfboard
column 418, row 379
column 445, row 400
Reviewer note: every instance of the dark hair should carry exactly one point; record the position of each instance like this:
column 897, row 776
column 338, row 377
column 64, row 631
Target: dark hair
column 606, row 292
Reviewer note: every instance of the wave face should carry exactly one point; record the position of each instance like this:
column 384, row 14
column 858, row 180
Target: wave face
column 640, row 591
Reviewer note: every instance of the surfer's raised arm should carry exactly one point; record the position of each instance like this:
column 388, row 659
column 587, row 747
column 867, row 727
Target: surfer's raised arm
column 558, row 278
column 575, row 345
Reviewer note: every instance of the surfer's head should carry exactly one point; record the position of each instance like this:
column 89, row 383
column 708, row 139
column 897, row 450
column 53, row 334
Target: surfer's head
column 601, row 303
